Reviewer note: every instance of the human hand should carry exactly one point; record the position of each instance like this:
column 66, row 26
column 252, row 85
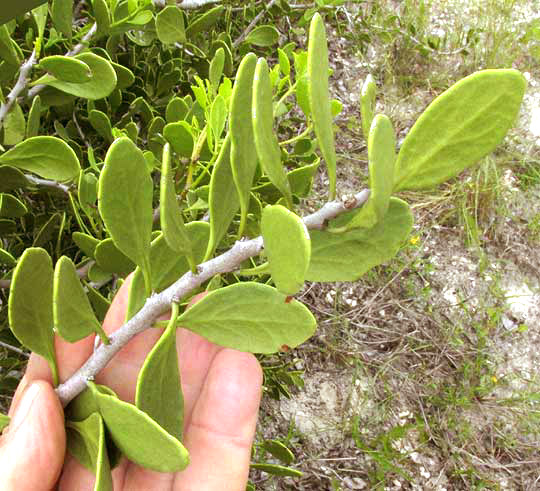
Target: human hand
column 222, row 389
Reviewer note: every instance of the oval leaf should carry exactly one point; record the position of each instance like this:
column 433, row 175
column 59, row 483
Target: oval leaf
column 170, row 25
column 125, row 202
column 266, row 142
column 11, row 206
column 111, row 259
column 172, row 224
column 250, row 317
column 66, row 68
column 158, row 381
column 46, row 156
column 139, row 437
column 74, row 318
column 462, row 125
column 367, row 104
column 180, row 137
column 31, row 304
column 11, row 178
column 243, row 151
column 347, row 256
column 287, row 246
column 263, row 36
column 101, row 83
column 319, row 97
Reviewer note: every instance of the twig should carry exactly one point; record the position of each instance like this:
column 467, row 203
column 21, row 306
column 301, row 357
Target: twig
column 253, row 23
column 48, row 183
column 158, row 304
column 21, row 84
column 187, row 4
column 73, row 52
column 15, row 349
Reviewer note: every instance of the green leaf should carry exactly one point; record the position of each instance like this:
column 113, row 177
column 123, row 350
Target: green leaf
column 86, row 441
column 263, row 36
column 319, row 97
column 8, row 51
column 124, row 76
column 277, row 470
column 300, row 67
column 111, row 259
column 6, row 258
column 46, row 156
column 180, row 137
column 66, row 68
column 243, row 152
column 223, row 198
column 381, row 157
column 45, row 233
column 40, row 14
column 204, row 22
column 99, row 302
column 87, row 194
column 125, row 202
column 85, row 243
column 266, row 142
column 34, row 116
column 367, row 104
column 176, row 110
column 167, row 266
column 14, row 126
column 74, row 318
column 284, row 63
column 102, row 124
column 159, row 381
column 11, row 178
column 31, row 305
column 62, row 16
column 11, row 206
column 218, row 117
column 172, row 224
column 462, row 125
column 216, row 68
column 82, row 406
column 279, row 451
column 287, row 246
column 102, row 16
column 250, row 317
column 347, row 256
column 100, row 85
column 4, row 421
column 139, row 437
column 170, row 25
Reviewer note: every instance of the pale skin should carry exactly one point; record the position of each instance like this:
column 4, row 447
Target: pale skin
column 222, row 390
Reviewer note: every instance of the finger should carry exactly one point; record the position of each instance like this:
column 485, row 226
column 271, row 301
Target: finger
column 32, row 451
column 222, row 427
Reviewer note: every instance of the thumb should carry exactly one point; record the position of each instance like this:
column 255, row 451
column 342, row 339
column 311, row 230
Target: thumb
column 32, row 450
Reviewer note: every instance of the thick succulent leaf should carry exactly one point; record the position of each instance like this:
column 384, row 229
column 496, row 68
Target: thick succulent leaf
column 381, row 157
column 62, row 16
column 176, row 111
column 172, row 224
column 216, row 68
column 102, row 15
column 167, row 266
column 278, row 450
column 266, row 142
column 66, row 68
column 88, row 184
column 31, row 304
column 263, row 36
column 46, row 156
column 102, row 124
column 14, row 126
column 250, row 317
column 6, row 258
column 86, row 442
column 223, row 198
column 139, row 437
column 180, row 137
column 34, row 118
column 170, row 25
column 74, row 318
column 277, row 470
column 204, row 22
column 125, row 202
column 159, row 381
column 11, row 178
column 347, row 256
column 462, row 125
column 218, row 117
column 85, row 243
column 85, row 404
column 11, row 206
column 101, row 83
column 287, row 247
column 4, row 421
column 243, row 152
column 110, row 259
column 319, row 97
column 367, row 104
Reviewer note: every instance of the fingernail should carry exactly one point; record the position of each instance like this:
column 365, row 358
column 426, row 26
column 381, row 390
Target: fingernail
column 24, row 406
